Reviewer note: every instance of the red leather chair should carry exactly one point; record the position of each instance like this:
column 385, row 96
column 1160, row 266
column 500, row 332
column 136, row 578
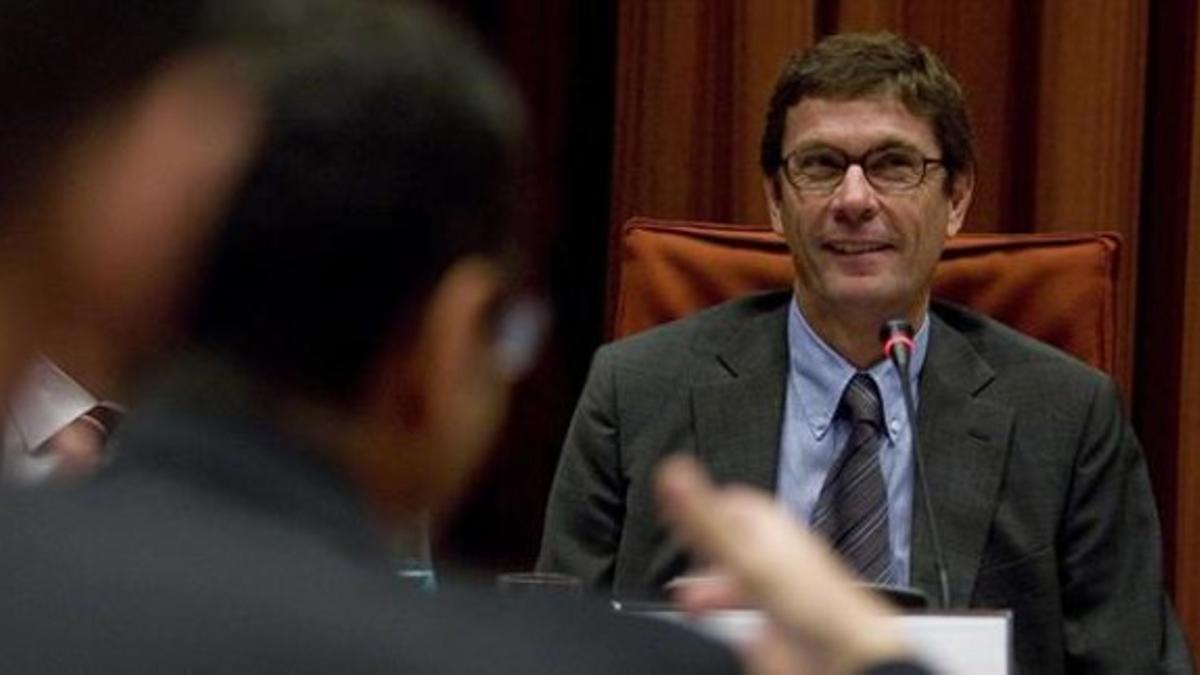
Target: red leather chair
column 1059, row 288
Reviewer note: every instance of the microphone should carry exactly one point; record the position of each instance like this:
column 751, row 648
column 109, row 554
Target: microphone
column 897, row 338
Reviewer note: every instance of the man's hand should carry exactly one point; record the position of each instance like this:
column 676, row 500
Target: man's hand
column 820, row 622
column 78, row 449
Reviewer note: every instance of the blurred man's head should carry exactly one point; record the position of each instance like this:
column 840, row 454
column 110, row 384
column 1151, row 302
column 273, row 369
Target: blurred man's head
column 362, row 265
column 122, row 125
column 67, row 63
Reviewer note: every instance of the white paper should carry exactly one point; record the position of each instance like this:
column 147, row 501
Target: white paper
column 966, row 643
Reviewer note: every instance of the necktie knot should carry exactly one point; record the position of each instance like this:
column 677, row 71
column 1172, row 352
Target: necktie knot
column 860, row 401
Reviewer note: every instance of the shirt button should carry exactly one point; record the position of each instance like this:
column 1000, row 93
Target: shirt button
column 896, row 426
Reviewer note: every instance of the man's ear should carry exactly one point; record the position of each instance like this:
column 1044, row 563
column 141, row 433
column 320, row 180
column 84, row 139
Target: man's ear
column 961, row 191
column 454, row 340
column 771, row 190
column 436, row 398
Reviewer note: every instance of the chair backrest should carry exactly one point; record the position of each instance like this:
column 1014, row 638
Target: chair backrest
column 1058, row 288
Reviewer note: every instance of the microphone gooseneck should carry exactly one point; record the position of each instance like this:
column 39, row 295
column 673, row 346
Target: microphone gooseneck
column 897, row 338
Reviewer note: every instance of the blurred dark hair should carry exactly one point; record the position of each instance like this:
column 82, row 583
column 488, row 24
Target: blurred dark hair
column 388, row 155
column 857, row 65
column 65, row 61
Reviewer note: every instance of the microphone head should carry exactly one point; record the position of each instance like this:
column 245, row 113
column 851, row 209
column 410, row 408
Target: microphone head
column 896, row 333
column 893, row 327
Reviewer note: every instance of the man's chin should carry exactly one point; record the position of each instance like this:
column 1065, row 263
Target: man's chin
column 869, row 299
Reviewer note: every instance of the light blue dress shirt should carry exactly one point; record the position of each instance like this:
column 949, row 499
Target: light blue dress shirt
column 812, row 435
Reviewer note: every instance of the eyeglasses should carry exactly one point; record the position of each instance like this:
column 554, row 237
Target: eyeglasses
column 888, row 169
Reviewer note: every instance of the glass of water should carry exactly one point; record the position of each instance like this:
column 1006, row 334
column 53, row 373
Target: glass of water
column 415, row 567
column 538, row 583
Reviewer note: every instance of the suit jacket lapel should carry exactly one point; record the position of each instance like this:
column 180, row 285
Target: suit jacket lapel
column 964, row 441
column 737, row 402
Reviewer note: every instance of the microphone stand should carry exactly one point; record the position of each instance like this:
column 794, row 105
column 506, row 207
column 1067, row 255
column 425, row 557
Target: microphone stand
column 896, row 336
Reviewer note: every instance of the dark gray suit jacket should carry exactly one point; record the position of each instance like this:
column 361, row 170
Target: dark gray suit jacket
column 219, row 542
column 1038, row 484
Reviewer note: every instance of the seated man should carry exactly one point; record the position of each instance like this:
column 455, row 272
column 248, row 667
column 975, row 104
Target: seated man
column 348, row 357
column 1037, row 483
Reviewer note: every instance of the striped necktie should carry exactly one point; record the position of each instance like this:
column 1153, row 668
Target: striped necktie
column 852, row 509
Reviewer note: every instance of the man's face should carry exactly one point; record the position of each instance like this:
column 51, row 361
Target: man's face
column 857, row 249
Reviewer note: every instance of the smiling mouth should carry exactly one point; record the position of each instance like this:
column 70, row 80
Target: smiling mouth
column 856, row 247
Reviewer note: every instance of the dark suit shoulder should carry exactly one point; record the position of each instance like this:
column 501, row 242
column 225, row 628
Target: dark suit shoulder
column 210, row 585
column 705, row 332
column 1012, row 353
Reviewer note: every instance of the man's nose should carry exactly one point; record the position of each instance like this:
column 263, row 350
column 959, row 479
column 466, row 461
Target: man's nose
column 854, row 200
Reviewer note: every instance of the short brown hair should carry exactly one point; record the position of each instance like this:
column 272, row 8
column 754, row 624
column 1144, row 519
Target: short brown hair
column 856, row 65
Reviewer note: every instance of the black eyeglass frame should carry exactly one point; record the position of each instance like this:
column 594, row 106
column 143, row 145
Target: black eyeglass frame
column 861, row 161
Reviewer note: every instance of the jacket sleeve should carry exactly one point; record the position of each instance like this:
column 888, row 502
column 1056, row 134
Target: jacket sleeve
column 1117, row 617
column 586, row 509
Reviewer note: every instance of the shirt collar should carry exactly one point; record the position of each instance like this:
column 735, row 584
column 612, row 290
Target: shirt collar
column 822, row 375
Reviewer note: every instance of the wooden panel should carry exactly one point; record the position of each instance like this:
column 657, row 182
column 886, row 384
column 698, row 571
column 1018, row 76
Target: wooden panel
column 1055, row 90
column 975, row 41
column 765, row 35
column 1187, row 507
column 1168, row 384
column 868, row 15
column 1089, row 124
column 692, row 83
column 1090, row 116
column 1187, row 449
column 657, row 65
